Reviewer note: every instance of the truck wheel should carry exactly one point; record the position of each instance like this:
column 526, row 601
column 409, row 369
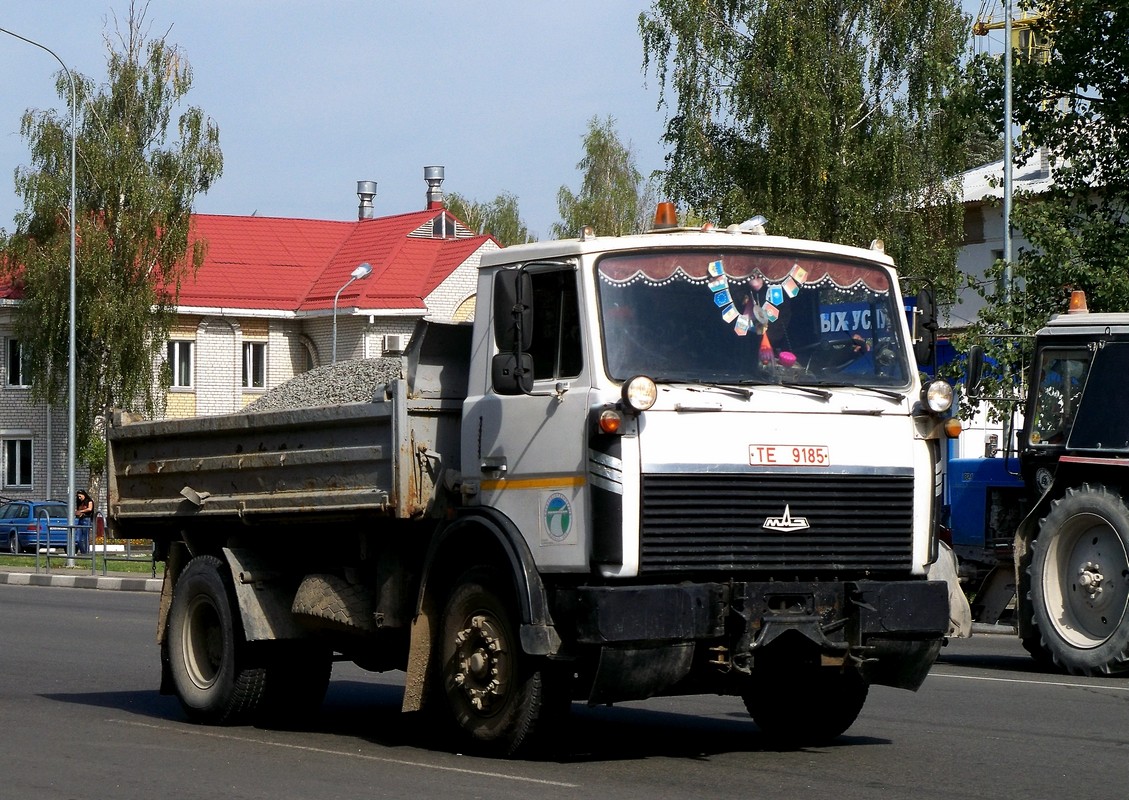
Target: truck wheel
column 493, row 691
column 1080, row 581
column 205, row 650
column 808, row 707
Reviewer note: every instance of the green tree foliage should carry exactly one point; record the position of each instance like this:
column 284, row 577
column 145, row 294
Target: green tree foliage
column 1073, row 109
column 612, row 197
column 499, row 217
column 841, row 120
column 139, row 166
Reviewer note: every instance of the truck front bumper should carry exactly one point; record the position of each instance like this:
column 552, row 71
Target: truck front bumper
column 891, row 631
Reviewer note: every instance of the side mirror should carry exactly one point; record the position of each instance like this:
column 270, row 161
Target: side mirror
column 975, row 371
column 513, row 310
column 925, row 327
column 512, row 373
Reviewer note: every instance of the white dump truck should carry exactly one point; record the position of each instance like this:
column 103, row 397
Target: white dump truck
column 683, row 462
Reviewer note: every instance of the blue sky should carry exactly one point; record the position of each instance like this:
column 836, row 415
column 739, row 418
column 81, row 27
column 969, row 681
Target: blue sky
column 311, row 97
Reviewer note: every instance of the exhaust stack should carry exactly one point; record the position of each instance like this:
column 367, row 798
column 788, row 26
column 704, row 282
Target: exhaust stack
column 366, row 191
column 434, row 178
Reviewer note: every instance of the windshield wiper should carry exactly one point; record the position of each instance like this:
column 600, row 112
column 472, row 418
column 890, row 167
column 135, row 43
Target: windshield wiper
column 888, row 393
column 740, row 391
column 822, row 394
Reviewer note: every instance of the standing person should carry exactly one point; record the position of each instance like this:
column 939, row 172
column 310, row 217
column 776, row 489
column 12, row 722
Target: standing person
column 84, row 513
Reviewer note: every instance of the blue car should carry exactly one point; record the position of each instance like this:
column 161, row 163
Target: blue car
column 22, row 526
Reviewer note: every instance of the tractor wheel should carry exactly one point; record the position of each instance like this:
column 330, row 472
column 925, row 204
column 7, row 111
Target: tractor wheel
column 1080, row 581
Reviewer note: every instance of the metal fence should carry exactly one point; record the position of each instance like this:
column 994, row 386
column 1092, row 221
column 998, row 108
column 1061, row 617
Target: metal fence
column 44, row 554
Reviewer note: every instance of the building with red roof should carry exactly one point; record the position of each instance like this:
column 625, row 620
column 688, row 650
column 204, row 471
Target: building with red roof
column 261, row 309
column 274, row 297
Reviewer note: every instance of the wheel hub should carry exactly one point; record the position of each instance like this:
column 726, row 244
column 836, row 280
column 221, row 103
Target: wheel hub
column 1090, row 579
column 480, row 657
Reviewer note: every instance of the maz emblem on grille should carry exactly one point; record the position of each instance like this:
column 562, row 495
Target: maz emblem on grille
column 786, row 523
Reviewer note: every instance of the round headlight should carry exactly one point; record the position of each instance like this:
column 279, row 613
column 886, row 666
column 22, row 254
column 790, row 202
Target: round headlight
column 939, row 396
column 640, row 393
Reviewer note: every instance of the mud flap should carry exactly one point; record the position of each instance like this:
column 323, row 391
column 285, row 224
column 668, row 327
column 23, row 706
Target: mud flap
column 945, row 569
column 636, row 673
column 419, row 655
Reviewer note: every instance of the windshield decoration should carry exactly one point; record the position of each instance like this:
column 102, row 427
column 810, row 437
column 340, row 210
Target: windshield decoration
column 754, row 309
column 773, row 317
column 719, row 285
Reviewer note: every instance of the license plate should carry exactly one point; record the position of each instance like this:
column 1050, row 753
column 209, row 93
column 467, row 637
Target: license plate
column 789, row 455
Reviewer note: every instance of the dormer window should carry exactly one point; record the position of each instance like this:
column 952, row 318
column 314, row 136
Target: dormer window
column 441, row 226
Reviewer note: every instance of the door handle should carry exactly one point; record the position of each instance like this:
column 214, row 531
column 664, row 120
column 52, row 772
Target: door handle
column 494, row 464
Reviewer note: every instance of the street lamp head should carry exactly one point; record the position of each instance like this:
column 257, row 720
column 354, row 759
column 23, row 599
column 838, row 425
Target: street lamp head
column 363, row 271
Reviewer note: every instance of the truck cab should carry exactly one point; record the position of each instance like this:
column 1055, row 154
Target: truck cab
column 716, row 448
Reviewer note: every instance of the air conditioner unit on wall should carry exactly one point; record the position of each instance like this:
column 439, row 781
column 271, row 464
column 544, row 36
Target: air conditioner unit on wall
column 394, row 342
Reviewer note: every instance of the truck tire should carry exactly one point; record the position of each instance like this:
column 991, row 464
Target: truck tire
column 494, row 691
column 206, row 654
column 330, row 603
column 805, row 707
column 1080, row 581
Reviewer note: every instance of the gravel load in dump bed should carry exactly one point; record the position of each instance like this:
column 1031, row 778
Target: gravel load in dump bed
column 352, row 381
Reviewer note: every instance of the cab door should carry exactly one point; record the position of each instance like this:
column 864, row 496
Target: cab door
column 530, row 447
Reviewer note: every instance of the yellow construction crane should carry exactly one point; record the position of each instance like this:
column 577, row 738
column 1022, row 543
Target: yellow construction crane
column 1028, row 38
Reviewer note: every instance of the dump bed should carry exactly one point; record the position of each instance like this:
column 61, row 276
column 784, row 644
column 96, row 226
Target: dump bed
column 337, row 461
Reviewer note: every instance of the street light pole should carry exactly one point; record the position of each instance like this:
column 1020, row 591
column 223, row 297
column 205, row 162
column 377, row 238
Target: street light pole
column 71, row 319
column 363, row 271
column 1008, row 188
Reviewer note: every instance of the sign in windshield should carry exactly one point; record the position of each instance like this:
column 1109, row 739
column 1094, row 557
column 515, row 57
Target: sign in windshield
column 750, row 317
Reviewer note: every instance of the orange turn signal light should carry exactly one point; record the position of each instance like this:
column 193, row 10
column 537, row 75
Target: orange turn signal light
column 952, row 427
column 610, row 420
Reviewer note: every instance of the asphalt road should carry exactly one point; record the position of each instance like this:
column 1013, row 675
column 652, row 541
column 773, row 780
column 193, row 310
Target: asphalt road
column 80, row 717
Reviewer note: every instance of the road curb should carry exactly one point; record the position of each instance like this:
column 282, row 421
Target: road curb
column 106, row 582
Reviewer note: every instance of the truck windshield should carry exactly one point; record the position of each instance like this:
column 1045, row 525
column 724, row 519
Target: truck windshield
column 749, row 317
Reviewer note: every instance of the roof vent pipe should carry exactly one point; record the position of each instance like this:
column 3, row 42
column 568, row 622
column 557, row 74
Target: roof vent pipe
column 366, row 191
column 434, row 178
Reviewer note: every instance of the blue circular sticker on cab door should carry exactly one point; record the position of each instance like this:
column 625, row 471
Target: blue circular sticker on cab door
column 558, row 517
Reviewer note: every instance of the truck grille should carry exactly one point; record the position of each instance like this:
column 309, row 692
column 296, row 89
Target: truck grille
column 716, row 522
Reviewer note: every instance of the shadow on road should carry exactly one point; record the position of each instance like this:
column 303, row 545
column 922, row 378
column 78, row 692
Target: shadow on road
column 147, row 703
column 626, row 732
column 993, row 652
column 371, row 712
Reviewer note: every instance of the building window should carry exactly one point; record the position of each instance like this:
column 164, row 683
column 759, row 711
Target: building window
column 180, row 364
column 973, row 225
column 17, row 365
column 17, row 462
column 254, row 365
